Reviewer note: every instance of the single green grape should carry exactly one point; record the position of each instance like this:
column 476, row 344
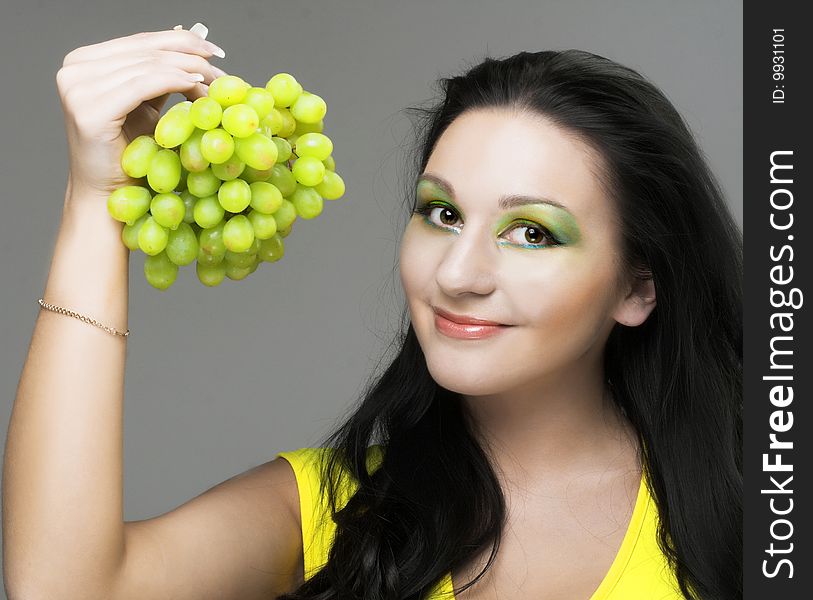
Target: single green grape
column 330, row 163
column 202, row 184
column 307, row 202
column 174, row 128
column 228, row 90
column 129, row 233
column 208, row 259
column 285, row 89
column 251, row 175
column 236, row 273
column 234, row 195
column 261, row 100
column 283, row 179
column 128, row 203
column 283, row 148
column 168, row 210
column 206, row 113
column 238, row 234
column 192, row 158
column 208, row 212
column 231, row 169
column 152, row 237
column 256, row 150
column 272, row 249
column 285, row 215
column 308, row 170
column 164, row 172
column 159, row 271
column 217, row 145
column 240, row 120
column 264, row 225
column 210, row 241
column 331, row 187
column 211, row 275
column 240, row 259
column 185, row 105
column 182, row 246
column 265, row 197
column 316, row 145
column 285, row 232
column 288, row 126
column 189, row 200
column 302, row 128
column 135, row 160
column 309, row 108
column 272, row 123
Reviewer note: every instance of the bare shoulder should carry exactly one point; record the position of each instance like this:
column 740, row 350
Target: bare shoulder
column 241, row 538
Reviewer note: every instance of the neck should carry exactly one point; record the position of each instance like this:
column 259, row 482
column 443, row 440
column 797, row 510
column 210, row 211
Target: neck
column 554, row 429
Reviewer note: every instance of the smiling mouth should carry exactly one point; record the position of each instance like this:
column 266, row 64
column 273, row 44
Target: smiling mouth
column 466, row 331
column 464, row 319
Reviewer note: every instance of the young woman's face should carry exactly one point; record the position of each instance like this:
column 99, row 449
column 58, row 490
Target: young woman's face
column 549, row 272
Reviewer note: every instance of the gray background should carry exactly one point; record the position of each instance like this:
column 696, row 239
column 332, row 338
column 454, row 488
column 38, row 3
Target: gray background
column 219, row 380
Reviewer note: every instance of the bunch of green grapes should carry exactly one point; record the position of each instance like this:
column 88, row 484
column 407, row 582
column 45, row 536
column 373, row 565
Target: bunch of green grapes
column 224, row 178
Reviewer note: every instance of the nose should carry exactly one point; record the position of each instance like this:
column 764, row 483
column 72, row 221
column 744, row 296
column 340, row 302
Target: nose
column 469, row 263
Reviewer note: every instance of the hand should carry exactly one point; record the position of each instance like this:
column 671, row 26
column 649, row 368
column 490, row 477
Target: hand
column 113, row 91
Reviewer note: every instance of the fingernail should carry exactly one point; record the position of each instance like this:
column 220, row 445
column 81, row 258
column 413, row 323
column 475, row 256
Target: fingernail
column 216, row 50
column 200, row 29
column 220, row 72
column 177, row 27
column 196, row 77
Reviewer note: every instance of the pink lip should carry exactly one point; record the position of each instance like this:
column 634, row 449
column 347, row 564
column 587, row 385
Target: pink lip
column 462, row 319
column 466, row 331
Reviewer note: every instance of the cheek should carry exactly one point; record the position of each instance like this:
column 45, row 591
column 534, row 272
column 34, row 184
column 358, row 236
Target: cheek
column 563, row 304
column 414, row 264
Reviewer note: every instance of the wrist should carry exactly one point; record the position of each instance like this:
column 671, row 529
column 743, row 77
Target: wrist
column 86, row 213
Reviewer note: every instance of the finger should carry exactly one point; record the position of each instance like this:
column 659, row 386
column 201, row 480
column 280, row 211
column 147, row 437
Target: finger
column 101, row 69
column 142, row 84
column 178, row 40
column 102, row 87
column 122, row 78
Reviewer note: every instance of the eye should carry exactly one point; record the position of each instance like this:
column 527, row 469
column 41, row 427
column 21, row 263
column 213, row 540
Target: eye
column 535, row 234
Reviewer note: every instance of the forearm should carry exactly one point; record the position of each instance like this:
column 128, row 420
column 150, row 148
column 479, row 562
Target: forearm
column 63, row 519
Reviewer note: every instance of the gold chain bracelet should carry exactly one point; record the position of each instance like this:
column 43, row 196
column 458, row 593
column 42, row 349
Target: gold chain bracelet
column 83, row 318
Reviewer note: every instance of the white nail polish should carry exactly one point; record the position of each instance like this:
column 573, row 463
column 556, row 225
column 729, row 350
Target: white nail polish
column 200, row 29
column 217, row 51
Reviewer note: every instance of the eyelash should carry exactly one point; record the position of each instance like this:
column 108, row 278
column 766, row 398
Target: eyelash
column 426, row 209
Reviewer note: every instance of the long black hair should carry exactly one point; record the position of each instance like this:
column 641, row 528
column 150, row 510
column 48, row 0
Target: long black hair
column 435, row 503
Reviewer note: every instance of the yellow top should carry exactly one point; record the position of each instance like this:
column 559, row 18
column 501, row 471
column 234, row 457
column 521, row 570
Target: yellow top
column 638, row 572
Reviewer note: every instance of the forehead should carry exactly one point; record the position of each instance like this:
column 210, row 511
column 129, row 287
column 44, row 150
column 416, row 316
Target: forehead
column 486, row 153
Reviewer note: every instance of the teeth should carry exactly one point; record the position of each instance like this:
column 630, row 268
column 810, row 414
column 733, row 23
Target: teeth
column 200, row 29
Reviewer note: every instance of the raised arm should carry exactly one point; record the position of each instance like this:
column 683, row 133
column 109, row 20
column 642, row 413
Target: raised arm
column 63, row 526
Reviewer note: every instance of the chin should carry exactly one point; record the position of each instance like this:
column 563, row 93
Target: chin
column 471, row 380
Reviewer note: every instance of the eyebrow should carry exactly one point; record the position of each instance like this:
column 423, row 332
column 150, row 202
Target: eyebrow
column 505, row 202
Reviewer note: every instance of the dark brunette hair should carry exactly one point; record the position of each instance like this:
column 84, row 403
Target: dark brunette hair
column 435, row 502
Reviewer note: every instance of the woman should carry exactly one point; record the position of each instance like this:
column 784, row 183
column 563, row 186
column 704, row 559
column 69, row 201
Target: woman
column 622, row 356
column 596, row 427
